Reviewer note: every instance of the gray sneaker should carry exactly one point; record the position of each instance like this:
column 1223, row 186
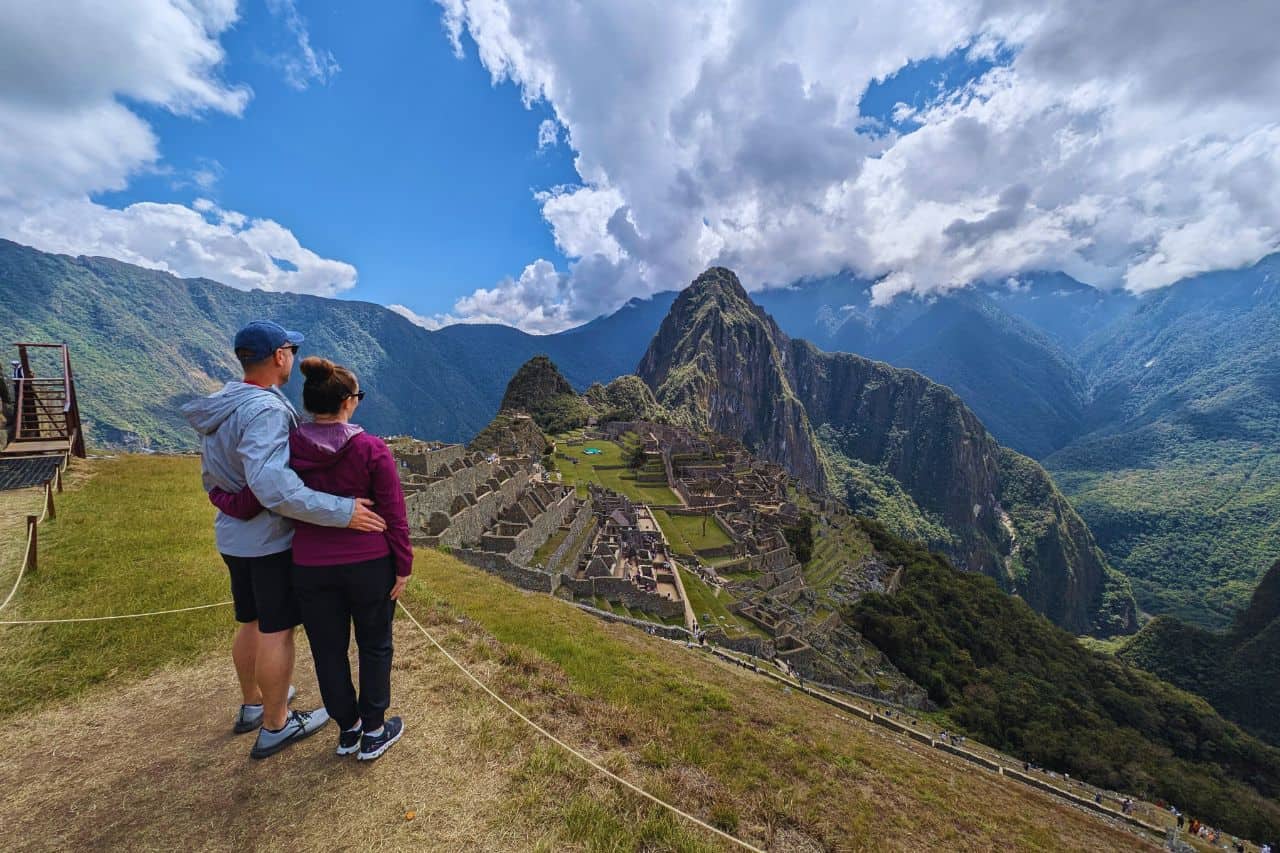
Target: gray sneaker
column 249, row 719
column 298, row 725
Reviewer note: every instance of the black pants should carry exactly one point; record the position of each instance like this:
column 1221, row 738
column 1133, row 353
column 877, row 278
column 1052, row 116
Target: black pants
column 333, row 598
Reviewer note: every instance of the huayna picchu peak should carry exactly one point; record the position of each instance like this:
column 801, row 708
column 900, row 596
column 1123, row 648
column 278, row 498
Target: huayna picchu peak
column 891, row 443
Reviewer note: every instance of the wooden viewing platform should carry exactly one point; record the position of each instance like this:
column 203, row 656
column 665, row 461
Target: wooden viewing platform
column 46, row 416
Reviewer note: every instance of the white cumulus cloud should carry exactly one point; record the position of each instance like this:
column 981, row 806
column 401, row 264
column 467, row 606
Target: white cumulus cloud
column 70, row 73
column 1130, row 145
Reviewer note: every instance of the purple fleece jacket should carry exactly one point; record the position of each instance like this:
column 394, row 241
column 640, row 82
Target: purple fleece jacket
column 344, row 460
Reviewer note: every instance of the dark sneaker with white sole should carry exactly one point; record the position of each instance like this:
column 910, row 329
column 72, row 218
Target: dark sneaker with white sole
column 250, row 716
column 298, row 725
column 371, row 746
column 349, row 742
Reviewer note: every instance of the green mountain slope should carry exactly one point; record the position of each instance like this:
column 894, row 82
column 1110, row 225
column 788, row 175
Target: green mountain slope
column 143, row 342
column 1180, row 477
column 1238, row 670
column 1010, row 678
column 889, row 441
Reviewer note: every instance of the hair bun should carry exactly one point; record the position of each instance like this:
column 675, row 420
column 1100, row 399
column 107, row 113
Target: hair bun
column 316, row 369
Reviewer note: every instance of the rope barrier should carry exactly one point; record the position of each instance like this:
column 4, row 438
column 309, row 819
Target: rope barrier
column 110, row 618
column 27, row 556
column 22, row 570
column 575, row 753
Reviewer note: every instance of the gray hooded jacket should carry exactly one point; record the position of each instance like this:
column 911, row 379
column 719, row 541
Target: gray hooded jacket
column 244, row 440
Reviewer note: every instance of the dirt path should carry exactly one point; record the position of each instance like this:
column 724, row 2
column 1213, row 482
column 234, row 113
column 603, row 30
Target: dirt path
column 156, row 766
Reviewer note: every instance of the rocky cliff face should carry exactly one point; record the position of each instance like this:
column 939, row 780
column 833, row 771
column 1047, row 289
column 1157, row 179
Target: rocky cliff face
column 716, row 364
column 720, row 362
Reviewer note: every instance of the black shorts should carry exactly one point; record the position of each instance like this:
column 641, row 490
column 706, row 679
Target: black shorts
column 262, row 589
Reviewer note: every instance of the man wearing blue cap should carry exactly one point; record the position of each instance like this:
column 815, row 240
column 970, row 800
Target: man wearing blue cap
column 244, row 440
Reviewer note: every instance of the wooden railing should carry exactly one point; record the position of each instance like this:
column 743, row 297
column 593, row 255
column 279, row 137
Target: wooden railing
column 46, row 407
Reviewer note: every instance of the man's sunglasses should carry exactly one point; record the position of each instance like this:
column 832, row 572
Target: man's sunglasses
column 293, row 348
column 359, row 395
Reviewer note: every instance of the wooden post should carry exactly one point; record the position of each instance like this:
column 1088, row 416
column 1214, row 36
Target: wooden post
column 33, row 527
column 59, row 477
column 48, row 498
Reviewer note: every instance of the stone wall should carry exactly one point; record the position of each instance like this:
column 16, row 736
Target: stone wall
column 468, row 524
column 574, row 541
column 542, row 527
column 771, row 561
column 580, row 588
column 798, row 654
column 756, row 646
column 671, row 632
column 500, row 565
column 624, row 592
column 438, row 495
column 429, row 459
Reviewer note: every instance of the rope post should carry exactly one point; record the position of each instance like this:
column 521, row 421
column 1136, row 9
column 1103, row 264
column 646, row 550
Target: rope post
column 48, row 500
column 58, row 476
column 33, row 527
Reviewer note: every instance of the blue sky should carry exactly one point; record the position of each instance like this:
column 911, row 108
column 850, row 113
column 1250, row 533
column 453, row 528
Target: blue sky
column 407, row 163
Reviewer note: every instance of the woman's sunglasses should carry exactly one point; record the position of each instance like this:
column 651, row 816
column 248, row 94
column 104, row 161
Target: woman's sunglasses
column 359, row 395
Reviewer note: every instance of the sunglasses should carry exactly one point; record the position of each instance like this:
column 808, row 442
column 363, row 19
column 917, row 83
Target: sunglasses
column 293, row 348
column 359, row 395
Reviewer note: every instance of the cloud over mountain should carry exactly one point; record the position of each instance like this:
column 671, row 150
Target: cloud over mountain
column 1128, row 144
column 74, row 81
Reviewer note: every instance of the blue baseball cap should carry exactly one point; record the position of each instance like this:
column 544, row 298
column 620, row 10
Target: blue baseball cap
column 263, row 337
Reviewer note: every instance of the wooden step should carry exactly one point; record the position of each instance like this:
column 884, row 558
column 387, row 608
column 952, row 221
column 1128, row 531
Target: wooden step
column 26, row 447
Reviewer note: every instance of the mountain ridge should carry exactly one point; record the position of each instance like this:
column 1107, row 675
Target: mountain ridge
column 720, row 362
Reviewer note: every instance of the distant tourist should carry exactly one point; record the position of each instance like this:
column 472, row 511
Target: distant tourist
column 346, row 578
column 244, row 442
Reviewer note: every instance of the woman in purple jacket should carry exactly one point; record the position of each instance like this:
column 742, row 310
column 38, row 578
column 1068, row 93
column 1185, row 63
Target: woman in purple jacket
column 345, row 577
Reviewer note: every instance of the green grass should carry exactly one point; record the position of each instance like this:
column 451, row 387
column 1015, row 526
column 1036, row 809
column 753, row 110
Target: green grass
column 608, row 469
column 138, row 536
column 711, row 611
column 689, row 530
column 837, row 542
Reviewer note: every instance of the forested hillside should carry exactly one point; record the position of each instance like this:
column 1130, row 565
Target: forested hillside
column 1237, row 670
column 1007, row 676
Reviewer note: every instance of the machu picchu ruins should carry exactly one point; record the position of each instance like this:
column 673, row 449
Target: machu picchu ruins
column 684, row 534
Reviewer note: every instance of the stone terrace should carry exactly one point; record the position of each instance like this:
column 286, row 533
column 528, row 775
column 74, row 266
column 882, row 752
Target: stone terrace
column 628, row 560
